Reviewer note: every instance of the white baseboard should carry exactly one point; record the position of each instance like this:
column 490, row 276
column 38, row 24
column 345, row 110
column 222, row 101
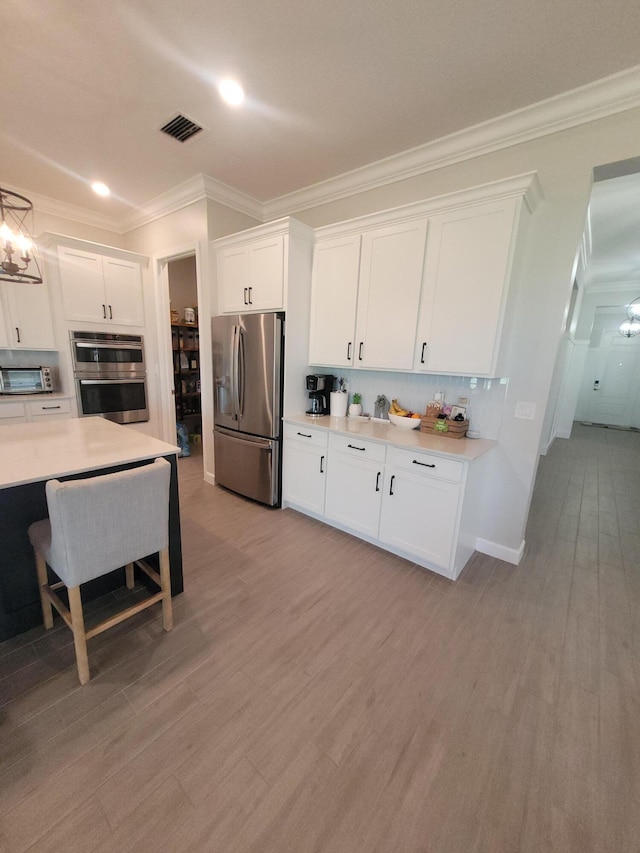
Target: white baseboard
column 563, row 433
column 209, row 478
column 501, row 552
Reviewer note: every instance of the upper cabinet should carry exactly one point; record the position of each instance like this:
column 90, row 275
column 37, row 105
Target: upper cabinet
column 258, row 269
column 100, row 288
column 466, row 282
column 422, row 288
column 27, row 317
column 251, row 276
column 365, row 296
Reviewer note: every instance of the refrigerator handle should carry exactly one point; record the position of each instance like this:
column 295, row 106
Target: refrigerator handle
column 240, row 373
column 234, row 371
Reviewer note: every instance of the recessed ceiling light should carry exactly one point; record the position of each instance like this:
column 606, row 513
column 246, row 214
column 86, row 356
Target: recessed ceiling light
column 231, row 92
column 100, row 189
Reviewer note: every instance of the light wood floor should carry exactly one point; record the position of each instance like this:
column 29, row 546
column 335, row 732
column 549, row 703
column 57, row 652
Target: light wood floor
column 318, row 694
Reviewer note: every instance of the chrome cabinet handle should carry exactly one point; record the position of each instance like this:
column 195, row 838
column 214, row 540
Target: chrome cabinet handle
column 250, row 296
column 245, row 296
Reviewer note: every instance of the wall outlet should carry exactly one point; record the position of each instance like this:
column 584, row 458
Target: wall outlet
column 525, row 411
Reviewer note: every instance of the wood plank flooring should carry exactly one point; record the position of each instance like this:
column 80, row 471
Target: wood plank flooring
column 318, row 694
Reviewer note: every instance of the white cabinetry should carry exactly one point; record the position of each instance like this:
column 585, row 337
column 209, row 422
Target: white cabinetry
column 45, row 408
column 406, row 498
column 421, row 504
column 99, row 288
column 466, row 281
column 354, row 483
column 251, row 276
column 380, row 300
column 27, row 317
column 365, row 303
column 305, row 468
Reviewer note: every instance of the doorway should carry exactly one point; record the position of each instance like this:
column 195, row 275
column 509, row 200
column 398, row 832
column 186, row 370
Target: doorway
column 610, row 392
column 185, row 348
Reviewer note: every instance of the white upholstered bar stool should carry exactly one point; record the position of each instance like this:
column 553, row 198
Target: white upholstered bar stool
column 96, row 525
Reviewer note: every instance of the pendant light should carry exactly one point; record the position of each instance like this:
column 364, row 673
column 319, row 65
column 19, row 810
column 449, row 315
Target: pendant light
column 17, row 262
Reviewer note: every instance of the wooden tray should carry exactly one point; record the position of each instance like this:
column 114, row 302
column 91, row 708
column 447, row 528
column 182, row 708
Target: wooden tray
column 454, row 429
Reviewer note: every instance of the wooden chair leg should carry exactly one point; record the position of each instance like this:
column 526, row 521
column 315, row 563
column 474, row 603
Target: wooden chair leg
column 79, row 636
column 43, row 580
column 128, row 571
column 165, row 577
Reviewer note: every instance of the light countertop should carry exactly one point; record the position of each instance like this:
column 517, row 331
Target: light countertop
column 30, row 453
column 465, row 449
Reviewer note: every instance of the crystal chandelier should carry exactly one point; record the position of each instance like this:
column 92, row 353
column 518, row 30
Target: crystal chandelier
column 630, row 327
column 17, row 262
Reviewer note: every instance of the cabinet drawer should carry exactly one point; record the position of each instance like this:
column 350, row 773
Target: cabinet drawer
column 50, row 407
column 427, row 463
column 358, row 447
column 12, row 410
column 307, row 435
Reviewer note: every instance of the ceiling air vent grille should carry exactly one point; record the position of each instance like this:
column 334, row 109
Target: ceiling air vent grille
column 181, row 128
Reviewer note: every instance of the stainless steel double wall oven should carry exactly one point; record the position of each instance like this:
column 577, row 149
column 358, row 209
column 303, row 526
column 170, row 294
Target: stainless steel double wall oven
column 110, row 376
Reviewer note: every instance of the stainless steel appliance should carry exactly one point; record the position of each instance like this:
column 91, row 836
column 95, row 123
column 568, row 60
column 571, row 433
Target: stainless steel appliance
column 319, row 386
column 110, row 376
column 248, row 359
column 28, row 380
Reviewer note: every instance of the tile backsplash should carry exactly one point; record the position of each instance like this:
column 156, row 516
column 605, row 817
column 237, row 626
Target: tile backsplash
column 413, row 391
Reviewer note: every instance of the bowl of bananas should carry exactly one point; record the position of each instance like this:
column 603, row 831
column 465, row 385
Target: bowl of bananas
column 403, row 418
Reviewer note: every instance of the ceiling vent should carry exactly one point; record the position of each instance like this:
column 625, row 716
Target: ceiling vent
column 181, row 128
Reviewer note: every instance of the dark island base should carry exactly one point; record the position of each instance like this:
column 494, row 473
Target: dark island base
column 19, row 594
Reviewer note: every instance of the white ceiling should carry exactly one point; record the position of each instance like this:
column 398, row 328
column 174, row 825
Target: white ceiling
column 331, row 85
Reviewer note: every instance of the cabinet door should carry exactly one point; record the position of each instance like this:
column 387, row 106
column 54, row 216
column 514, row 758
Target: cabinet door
column 304, row 476
column 266, row 275
column 354, row 492
column 419, row 516
column 334, row 296
column 123, row 292
column 4, row 324
column 466, row 279
column 82, row 283
column 389, row 295
column 30, row 315
column 233, row 279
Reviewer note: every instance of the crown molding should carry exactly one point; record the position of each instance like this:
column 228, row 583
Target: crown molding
column 605, row 97
column 198, row 188
column 72, row 212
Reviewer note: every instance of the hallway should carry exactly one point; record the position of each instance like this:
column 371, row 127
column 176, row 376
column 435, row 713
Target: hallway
column 318, row 694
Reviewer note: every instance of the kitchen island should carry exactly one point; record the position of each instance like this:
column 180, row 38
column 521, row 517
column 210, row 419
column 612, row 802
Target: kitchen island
column 415, row 494
column 31, row 454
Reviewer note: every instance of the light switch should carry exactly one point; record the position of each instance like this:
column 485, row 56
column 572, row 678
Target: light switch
column 525, row 411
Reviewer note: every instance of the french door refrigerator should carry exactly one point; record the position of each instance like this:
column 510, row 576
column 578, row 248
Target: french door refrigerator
column 248, row 362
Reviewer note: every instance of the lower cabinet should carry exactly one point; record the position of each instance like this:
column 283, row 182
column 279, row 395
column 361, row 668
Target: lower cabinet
column 419, row 515
column 407, row 501
column 304, row 468
column 354, row 484
column 34, row 411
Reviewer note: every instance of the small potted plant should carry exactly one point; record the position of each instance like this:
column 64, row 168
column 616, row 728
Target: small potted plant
column 355, row 409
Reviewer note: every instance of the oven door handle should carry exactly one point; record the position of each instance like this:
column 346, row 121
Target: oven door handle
column 112, row 381
column 89, row 345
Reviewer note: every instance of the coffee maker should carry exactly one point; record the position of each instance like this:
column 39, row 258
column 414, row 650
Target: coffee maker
column 319, row 385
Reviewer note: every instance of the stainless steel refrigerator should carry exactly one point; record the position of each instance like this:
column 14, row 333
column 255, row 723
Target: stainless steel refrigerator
column 248, row 361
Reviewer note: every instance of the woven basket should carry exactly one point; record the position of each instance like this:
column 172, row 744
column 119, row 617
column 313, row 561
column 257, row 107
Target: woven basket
column 453, row 429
